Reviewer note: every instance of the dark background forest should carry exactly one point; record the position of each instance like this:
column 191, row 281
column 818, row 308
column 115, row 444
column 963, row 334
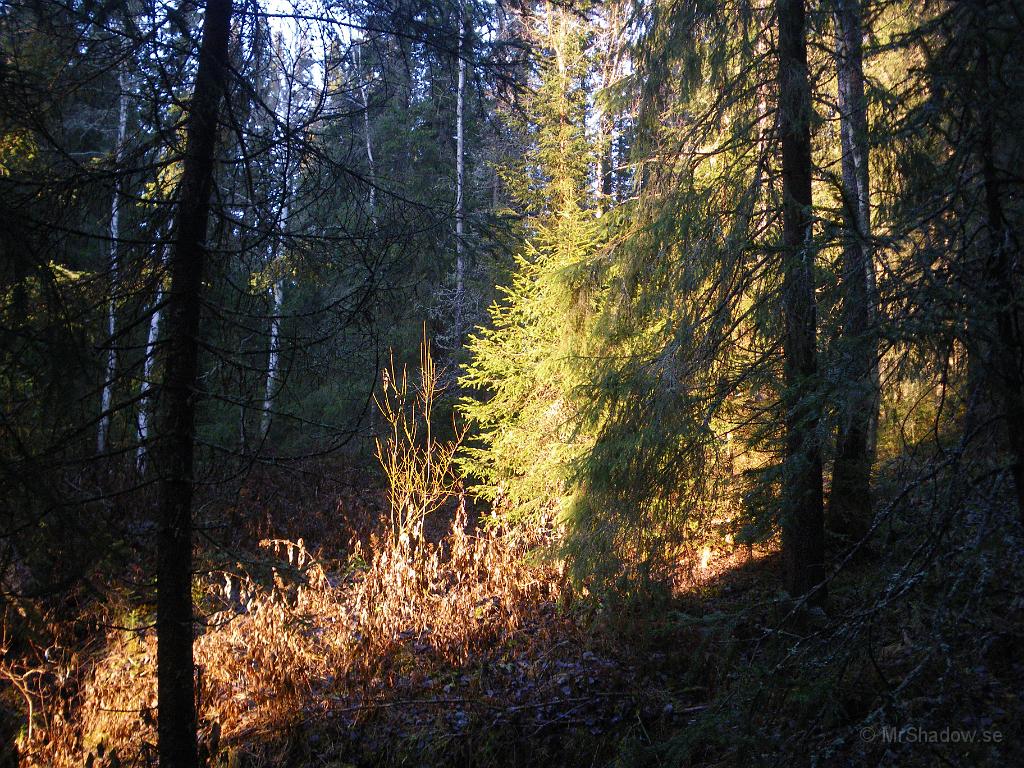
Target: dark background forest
column 511, row 383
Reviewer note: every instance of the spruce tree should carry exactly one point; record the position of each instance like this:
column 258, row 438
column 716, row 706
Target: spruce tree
column 524, row 363
column 803, row 535
column 175, row 687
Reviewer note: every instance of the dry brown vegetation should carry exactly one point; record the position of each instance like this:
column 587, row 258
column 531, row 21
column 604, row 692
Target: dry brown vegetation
column 465, row 646
column 408, row 644
column 383, row 631
column 307, row 646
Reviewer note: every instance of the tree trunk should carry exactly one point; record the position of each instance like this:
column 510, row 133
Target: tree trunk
column 607, row 157
column 274, row 358
column 371, row 165
column 611, row 47
column 142, row 419
column 176, row 696
column 277, row 295
column 803, row 535
column 277, row 288
column 110, row 372
column 1000, row 284
column 605, row 160
column 460, row 174
column 850, row 499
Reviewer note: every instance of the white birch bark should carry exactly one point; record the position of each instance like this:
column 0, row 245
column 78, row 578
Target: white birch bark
column 369, row 140
column 460, row 178
column 277, row 302
column 277, row 288
column 274, row 359
column 110, row 372
column 143, row 417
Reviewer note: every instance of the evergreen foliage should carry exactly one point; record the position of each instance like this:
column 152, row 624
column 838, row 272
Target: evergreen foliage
column 525, row 362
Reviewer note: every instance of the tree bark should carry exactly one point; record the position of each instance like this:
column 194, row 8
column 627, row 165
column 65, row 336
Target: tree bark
column 142, row 419
column 110, row 372
column 850, row 499
column 802, row 516
column 176, row 696
column 371, row 165
column 274, row 358
column 607, row 160
column 292, row 103
column 611, row 46
column 1000, row 284
column 460, row 178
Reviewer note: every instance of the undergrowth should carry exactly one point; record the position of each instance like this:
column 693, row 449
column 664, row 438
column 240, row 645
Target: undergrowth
column 434, row 640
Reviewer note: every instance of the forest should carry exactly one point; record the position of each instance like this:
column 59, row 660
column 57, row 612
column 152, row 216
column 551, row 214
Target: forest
column 511, row 383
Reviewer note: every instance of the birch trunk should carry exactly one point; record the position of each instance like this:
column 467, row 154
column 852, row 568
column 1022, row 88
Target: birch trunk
column 277, row 289
column 460, row 169
column 274, row 358
column 110, row 371
column 371, row 165
column 142, row 419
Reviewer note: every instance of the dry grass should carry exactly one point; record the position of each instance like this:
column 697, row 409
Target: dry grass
column 295, row 647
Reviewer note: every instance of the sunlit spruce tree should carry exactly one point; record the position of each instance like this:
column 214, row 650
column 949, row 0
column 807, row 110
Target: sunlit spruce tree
column 525, row 364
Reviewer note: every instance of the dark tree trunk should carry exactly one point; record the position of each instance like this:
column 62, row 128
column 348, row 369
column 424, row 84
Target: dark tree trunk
column 850, row 499
column 607, row 162
column 803, row 534
column 176, row 697
column 1000, row 285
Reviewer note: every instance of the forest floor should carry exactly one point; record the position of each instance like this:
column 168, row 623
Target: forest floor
column 335, row 646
